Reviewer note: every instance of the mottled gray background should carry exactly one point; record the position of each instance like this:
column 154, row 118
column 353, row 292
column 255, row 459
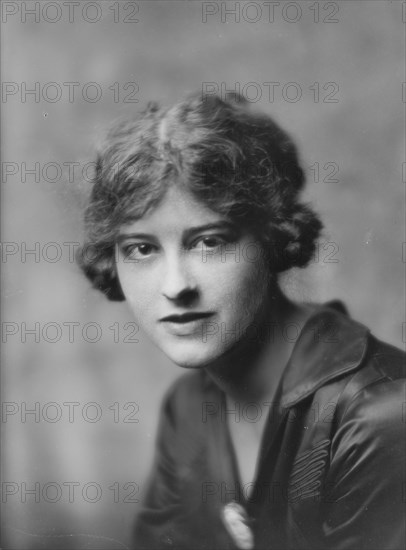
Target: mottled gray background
column 167, row 53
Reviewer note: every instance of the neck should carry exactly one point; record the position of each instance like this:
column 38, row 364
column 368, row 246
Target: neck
column 252, row 369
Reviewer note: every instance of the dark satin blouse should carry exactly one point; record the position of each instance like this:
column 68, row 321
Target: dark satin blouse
column 331, row 470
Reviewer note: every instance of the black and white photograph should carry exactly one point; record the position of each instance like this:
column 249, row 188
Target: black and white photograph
column 203, row 253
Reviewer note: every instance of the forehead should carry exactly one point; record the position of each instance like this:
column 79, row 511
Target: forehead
column 178, row 209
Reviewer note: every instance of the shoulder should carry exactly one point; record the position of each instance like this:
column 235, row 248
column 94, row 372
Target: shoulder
column 372, row 404
column 333, row 348
column 364, row 487
column 379, row 384
column 387, row 359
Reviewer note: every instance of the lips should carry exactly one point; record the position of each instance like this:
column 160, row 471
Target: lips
column 186, row 317
column 186, row 325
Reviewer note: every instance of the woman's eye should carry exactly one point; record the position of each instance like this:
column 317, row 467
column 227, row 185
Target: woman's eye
column 138, row 251
column 211, row 242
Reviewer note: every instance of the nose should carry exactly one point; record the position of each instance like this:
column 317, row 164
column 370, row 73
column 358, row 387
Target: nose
column 179, row 283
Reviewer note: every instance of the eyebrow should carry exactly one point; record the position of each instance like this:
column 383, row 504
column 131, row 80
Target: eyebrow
column 188, row 233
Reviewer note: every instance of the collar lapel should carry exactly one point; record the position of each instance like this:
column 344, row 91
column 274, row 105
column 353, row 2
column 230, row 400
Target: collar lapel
column 330, row 345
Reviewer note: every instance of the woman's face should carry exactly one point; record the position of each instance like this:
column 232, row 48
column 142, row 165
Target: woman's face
column 194, row 281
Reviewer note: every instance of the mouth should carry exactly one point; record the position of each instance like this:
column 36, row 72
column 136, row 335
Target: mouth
column 186, row 317
column 190, row 325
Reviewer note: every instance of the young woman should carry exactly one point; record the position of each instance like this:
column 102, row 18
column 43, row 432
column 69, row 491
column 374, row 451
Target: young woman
column 269, row 442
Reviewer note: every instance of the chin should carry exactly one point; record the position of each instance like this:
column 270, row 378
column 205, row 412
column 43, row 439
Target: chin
column 191, row 355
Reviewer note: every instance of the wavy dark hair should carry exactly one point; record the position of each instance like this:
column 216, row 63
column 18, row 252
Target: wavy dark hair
column 239, row 163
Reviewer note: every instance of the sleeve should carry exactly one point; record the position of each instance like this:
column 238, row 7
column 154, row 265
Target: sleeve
column 155, row 525
column 364, row 503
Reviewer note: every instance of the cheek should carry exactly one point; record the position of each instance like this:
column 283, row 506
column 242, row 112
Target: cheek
column 255, row 289
column 138, row 290
column 244, row 286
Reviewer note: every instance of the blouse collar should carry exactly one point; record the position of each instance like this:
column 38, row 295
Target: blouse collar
column 330, row 345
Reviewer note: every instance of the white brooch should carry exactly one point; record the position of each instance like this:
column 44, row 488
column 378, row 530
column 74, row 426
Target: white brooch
column 235, row 519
